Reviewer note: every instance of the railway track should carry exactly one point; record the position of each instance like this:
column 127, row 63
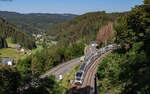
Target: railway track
column 88, row 84
column 66, row 67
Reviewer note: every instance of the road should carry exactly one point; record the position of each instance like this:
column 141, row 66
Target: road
column 64, row 68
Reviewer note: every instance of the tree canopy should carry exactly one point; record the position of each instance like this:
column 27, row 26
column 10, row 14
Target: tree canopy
column 83, row 28
column 8, row 30
column 126, row 71
column 35, row 23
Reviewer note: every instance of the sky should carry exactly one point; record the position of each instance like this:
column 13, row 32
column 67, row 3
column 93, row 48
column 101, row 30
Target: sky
column 67, row 6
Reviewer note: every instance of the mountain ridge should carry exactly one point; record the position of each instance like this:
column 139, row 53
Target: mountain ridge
column 35, row 22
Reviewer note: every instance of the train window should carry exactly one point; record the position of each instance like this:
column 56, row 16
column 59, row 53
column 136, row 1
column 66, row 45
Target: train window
column 78, row 79
column 83, row 66
column 79, row 74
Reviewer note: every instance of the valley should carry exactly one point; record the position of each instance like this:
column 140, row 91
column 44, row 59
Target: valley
column 95, row 52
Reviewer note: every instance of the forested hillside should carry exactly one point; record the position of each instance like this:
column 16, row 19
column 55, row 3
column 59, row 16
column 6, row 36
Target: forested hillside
column 36, row 22
column 105, row 35
column 83, row 28
column 61, row 52
column 127, row 69
column 8, row 30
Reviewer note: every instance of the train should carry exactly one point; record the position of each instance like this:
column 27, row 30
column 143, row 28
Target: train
column 79, row 76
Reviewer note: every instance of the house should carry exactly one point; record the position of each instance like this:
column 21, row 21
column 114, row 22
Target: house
column 22, row 49
column 8, row 61
column 94, row 43
column 39, row 36
column 18, row 47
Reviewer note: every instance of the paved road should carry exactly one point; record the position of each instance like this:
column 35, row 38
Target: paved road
column 66, row 67
column 62, row 69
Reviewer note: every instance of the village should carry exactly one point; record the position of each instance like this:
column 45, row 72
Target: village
column 14, row 52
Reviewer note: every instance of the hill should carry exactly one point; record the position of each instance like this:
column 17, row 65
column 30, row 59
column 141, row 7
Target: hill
column 8, row 30
column 35, row 22
column 127, row 69
column 83, row 28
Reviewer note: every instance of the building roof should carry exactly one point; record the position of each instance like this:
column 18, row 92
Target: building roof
column 18, row 47
column 6, row 60
column 93, row 42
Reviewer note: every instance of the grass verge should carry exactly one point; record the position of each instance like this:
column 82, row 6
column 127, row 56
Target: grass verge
column 68, row 78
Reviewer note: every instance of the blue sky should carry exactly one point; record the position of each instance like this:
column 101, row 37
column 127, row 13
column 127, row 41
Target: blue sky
column 67, row 6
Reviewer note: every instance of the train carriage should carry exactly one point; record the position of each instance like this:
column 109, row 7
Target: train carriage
column 79, row 76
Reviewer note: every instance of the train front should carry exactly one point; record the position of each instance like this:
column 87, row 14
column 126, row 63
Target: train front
column 78, row 78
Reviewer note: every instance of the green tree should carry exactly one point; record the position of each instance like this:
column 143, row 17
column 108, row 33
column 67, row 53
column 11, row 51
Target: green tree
column 9, row 80
column 127, row 71
column 46, row 86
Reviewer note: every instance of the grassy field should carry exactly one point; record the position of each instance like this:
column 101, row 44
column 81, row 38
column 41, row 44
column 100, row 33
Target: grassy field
column 66, row 81
column 10, row 53
column 10, row 43
column 13, row 53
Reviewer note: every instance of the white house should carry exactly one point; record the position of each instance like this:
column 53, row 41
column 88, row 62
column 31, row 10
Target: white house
column 22, row 50
column 8, row 61
column 39, row 35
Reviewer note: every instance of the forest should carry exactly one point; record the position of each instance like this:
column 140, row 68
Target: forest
column 12, row 81
column 29, row 69
column 9, row 30
column 36, row 23
column 127, row 69
column 46, row 59
column 105, row 35
column 83, row 28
